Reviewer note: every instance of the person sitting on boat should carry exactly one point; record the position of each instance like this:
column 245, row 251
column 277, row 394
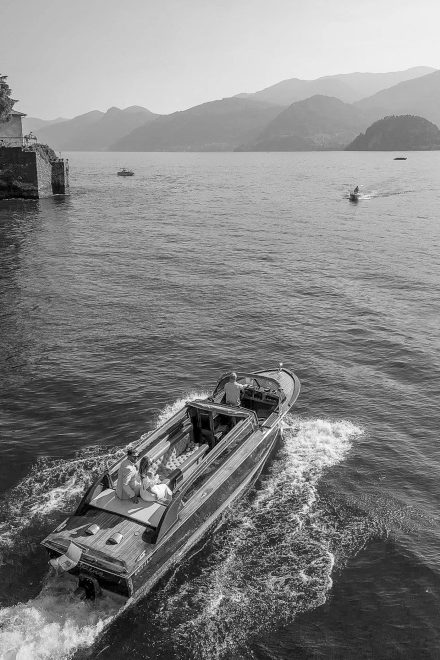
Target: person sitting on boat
column 233, row 390
column 129, row 483
column 356, row 190
column 152, row 490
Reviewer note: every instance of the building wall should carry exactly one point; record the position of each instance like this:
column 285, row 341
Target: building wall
column 31, row 174
column 18, row 173
column 11, row 132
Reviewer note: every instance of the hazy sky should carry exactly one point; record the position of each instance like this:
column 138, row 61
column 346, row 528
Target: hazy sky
column 67, row 57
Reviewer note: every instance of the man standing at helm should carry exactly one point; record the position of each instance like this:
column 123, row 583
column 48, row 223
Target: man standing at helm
column 233, row 390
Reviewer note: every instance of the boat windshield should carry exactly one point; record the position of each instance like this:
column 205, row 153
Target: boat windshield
column 254, row 380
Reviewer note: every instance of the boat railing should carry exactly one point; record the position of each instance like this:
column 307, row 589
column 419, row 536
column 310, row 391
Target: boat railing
column 204, row 471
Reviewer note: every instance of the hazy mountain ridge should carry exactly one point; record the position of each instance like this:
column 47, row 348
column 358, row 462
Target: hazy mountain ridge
column 319, row 122
column 240, row 123
column 348, row 87
column 256, row 121
column 289, row 91
column 34, row 123
column 214, row 126
column 95, row 130
column 420, row 97
column 398, row 133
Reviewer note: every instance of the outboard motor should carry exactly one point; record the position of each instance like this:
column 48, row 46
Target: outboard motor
column 88, row 587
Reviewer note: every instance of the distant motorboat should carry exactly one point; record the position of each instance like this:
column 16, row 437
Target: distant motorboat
column 125, row 172
column 354, row 196
column 400, row 158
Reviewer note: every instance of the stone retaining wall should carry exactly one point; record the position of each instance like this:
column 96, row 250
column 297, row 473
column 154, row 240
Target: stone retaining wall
column 31, row 174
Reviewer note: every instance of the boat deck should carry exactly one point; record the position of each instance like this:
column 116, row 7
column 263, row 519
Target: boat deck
column 287, row 383
column 148, row 513
column 136, row 537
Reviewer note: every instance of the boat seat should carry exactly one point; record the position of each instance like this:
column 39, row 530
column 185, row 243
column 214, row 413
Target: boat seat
column 150, row 513
column 147, row 513
column 179, row 469
column 171, row 446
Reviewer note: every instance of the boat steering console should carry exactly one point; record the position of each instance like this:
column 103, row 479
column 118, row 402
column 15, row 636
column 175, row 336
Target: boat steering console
column 258, row 397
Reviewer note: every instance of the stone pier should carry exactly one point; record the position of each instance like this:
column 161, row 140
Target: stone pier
column 32, row 172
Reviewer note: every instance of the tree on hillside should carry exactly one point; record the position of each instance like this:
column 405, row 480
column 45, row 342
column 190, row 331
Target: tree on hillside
column 6, row 103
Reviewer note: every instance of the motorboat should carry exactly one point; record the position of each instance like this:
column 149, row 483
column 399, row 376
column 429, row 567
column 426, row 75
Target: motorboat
column 400, row 158
column 125, row 172
column 209, row 453
column 354, row 196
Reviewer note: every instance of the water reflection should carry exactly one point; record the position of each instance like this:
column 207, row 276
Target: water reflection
column 19, row 220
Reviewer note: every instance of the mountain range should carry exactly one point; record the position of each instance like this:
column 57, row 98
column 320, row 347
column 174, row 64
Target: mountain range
column 214, row 126
column 95, row 130
column 348, row 87
column 34, row 124
column 326, row 113
column 415, row 97
column 319, row 122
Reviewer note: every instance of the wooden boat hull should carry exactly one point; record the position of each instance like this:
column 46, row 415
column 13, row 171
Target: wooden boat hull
column 193, row 528
column 229, row 448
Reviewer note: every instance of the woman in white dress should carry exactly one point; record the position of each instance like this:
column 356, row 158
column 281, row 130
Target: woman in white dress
column 151, row 488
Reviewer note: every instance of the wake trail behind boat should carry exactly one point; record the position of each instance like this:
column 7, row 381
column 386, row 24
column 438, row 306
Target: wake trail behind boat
column 53, row 624
column 272, row 559
column 52, row 486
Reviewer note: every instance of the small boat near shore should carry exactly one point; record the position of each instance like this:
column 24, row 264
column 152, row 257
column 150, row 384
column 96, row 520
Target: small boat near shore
column 209, row 453
column 354, row 194
column 400, row 158
column 125, row 172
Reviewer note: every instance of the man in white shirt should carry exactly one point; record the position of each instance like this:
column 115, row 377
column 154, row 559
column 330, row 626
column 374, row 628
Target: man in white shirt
column 233, row 390
column 129, row 482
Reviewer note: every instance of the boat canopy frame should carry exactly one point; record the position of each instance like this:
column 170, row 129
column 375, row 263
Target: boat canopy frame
column 220, row 408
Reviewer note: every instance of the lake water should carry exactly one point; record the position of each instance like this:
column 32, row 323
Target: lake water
column 128, row 297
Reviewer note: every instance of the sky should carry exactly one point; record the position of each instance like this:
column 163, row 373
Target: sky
column 67, row 57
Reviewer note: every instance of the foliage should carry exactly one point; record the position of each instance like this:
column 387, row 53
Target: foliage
column 6, row 103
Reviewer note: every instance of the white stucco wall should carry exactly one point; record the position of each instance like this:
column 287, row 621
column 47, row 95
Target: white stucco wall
column 11, row 132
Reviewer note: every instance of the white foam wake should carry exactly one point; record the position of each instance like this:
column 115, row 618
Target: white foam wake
column 54, row 624
column 274, row 557
column 51, row 487
column 172, row 408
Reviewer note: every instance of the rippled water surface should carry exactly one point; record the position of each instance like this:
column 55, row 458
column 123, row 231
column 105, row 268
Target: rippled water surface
column 122, row 301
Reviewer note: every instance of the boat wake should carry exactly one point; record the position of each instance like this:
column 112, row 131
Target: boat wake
column 172, row 408
column 51, row 489
column 53, row 624
column 48, row 492
column 270, row 558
